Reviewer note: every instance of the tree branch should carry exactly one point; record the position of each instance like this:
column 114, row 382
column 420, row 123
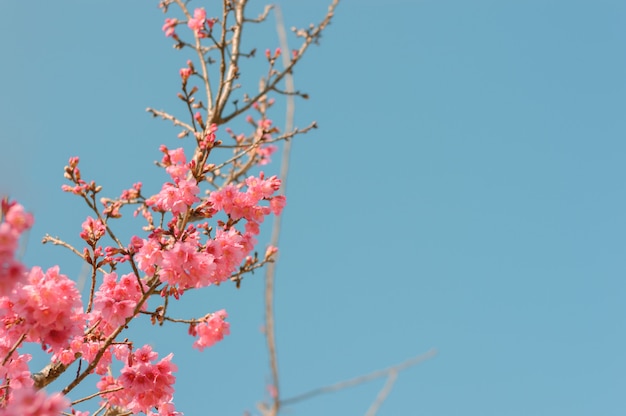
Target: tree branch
column 361, row 379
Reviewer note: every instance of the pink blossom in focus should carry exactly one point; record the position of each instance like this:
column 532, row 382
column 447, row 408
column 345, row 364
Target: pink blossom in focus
column 176, row 164
column 149, row 255
column 175, row 198
column 115, row 301
column 51, row 307
column 185, row 267
column 89, row 350
column 212, row 330
column 93, row 230
column 146, row 385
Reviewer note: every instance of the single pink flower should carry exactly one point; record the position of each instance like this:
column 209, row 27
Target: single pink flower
column 197, row 22
column 169, row 27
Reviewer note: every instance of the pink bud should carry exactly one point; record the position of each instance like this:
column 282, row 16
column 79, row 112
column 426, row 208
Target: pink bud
column 185, row 73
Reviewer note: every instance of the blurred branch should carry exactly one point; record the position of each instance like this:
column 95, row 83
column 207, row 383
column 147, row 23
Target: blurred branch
column 361, row 379
column 383, row 393
column 270, row 332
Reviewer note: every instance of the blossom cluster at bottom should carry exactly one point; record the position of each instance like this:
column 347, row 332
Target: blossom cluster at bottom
column 143, row 383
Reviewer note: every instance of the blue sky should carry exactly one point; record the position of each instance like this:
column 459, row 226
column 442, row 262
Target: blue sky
column 465, row 191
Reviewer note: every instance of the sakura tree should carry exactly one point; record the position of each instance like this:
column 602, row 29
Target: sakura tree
column 200, row 230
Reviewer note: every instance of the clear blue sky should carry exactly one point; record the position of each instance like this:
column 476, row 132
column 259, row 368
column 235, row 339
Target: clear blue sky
column 465, row 191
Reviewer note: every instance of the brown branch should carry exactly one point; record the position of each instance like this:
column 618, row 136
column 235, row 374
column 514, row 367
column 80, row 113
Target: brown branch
column 166, row 116
column 109, row 340
column 254, row 145
column 228, row 75
column 198, row 48
column 13, row 348
column 361, row 379
column 91, row 396
column 58, row 242
column 310, row 37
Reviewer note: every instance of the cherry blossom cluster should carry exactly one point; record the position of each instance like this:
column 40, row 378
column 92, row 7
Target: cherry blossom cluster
column 211, row 330
column 15, row 221
column 143, row 383
column 115, row 301
column 201, row 229
column 28, row 401
column 38, row 307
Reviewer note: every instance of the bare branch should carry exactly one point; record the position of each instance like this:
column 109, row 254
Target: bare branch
column 383, row 393
column 166, row 116
column 311, row 36
column 226, row 86
column 91, row 396
column 361, row 379
column 270, row 333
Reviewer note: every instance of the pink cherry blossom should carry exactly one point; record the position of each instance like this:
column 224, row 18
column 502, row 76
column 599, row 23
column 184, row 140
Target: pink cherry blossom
column 211, row 330
column 166, row 409
column 185, row 267
column 51, row 308
column 175, row 198
column 265, row 152
column 15, row 371
column 31, row 402
column 115, row 301
column 197, row 22
column 169, row 27
column 15, row 222
column 90, row 350
column 93, row 230
column 146, row 385
column 277, row 204
column 17, row 218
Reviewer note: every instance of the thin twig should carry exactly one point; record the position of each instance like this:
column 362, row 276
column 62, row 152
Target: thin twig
column 310, row 38
column 167, row 116
column 254, row 145
column 361, row 379
column 91, row 396
column 13, row 348
column 58, row 242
